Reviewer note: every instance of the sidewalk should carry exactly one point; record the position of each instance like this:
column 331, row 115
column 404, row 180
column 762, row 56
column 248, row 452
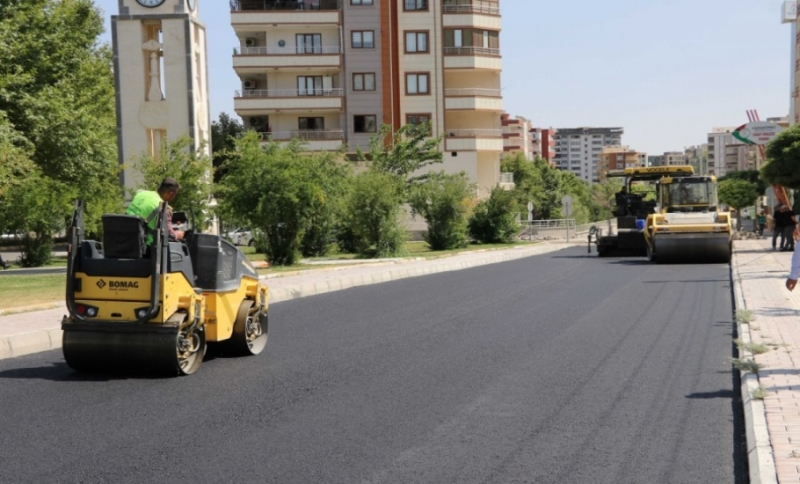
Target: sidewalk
column 773, row 424
column 40, row 330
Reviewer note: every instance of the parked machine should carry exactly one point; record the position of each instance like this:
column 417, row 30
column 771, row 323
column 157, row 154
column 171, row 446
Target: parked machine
column 679, row 221
column 157, row 307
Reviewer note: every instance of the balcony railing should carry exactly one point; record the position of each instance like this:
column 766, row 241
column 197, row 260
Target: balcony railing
column 475, row 133
column 471, row 51
column 479, row 92
column 303, row 134
column 323, row 49
column 484, row 9
column 506, row 177
column 289, row 93
column 263, row 5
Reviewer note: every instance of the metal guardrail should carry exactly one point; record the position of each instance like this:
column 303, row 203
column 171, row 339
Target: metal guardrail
column 471, row 51
column 473, row 92
column 506, row 177
column 306, row 135
column 471, row 9
column 474, row 133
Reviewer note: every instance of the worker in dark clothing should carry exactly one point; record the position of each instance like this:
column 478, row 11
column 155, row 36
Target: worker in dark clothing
column 790, row 224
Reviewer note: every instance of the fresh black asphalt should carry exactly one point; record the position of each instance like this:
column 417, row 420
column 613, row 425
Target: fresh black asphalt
column 561, row 368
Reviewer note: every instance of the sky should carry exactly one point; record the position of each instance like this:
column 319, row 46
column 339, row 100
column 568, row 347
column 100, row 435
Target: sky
column 667, row 71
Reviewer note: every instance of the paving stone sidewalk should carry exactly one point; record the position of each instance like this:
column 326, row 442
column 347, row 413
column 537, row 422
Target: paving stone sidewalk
column 35, row 331
column 773, row 423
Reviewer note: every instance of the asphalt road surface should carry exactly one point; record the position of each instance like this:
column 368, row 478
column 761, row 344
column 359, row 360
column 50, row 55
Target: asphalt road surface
column 559, row 368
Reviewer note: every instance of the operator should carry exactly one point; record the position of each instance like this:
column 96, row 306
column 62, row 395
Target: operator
column 146, row 205
column 621, row 198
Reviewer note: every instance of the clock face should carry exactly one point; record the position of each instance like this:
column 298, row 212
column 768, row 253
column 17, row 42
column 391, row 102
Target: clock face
column 192, row 4
column 150, row 3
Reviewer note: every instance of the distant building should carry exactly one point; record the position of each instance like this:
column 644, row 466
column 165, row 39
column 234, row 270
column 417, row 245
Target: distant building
column 655, row 160
column 517, row 137
column 544, row 143
column 697, row 157
column 727, row 154
column 578, row 150
column 617, row 158
column 674, row 158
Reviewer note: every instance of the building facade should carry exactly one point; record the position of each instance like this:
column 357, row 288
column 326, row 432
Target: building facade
column 517, row 137
column 544, row 144
column 617, row 158
column 697, row 157
column 331, row 72
column 578, row 149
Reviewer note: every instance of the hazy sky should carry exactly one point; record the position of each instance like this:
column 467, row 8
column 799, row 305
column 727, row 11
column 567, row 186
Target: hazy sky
column 665, row 70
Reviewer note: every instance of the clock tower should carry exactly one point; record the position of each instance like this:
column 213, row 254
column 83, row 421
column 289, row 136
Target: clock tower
column 161, row 76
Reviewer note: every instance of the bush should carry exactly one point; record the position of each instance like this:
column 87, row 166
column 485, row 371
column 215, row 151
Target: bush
column 445, row 201
column 494, row 219
column 373, row 214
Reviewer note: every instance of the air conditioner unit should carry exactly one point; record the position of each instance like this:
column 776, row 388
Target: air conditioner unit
column 250, row 42
column 249, row 84
column 256, row 121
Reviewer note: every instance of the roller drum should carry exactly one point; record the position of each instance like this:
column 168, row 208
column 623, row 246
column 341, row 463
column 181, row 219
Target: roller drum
column 134, row 349
column 689, row 248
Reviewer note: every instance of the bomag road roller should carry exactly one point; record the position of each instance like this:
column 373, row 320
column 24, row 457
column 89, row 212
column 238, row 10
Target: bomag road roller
column 157, row 307
column 674, row 216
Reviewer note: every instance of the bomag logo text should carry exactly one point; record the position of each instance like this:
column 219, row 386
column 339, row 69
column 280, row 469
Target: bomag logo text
column 123, row 285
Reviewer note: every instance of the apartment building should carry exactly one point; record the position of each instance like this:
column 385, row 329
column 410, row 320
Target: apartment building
column 331, row 72
column 517, row 136
column 655, row 160
column 578, row 149
column 617, row 158
column 697, row 157
column 544, row 144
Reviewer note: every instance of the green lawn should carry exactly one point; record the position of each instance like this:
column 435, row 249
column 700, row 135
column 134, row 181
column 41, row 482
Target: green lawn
column 20, row 291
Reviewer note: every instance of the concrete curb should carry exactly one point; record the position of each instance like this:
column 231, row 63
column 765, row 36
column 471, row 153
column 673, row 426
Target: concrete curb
column 761, row 461
column 50, row 339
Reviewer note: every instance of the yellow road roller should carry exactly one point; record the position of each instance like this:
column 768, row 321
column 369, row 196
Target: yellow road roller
column 668, row 214
column 157, row 308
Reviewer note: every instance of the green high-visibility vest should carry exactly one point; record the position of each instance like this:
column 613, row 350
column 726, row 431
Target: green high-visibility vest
column 145, row 204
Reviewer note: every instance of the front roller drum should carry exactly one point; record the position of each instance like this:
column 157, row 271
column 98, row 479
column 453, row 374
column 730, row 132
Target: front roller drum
column 250, row 331
column 135, row 349
column 691, row 248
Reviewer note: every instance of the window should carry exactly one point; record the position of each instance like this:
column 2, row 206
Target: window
column 311, row 124
column 365, row 124
column 416, row 4
column 309, row 43
column 360, row 2
column 416, row 42
column 417, row 119
column 309, row 85
column 417, row 84
column 362, row 39
column 363, row 82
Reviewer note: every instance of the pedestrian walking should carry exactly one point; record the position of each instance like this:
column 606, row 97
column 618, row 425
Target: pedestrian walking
column 789, row 228
column 778, row 223
column 761, row 220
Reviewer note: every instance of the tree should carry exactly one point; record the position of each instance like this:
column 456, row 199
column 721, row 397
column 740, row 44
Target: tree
column 603, row 196
column 738, row 194
column 536, row 182
column 224, row 133
column 752, row 176
column 404, row 152
column 15, row 162
column 445, row 201
column 327, row 208
column 57, row 92
column 493, row 220
column 192, row 171
column 372, row 214
column 783, row 158
column 277, row 190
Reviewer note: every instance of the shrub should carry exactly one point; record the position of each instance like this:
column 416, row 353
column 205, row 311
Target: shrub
column 373, row 214
column 445, row 201
column 494, row 219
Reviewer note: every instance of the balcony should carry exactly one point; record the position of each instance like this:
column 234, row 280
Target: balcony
column 474, row 140
column 274, row 100
column 256, row 59
column 482, row 58
column 473, row 99
column 506, row 181
column 248, row 12
column 481, row 15
column 314, row 140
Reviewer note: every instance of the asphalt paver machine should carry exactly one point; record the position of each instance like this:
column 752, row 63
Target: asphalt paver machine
column 673, row 217
column 157, row 307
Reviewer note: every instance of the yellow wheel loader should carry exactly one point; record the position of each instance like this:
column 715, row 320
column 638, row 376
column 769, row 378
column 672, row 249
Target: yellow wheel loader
column 673, row 217
column 156, row 308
